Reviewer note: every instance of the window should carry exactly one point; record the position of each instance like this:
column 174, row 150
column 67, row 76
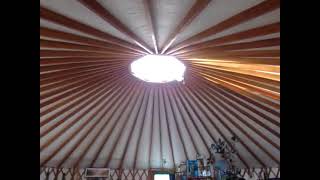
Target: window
column 158, row 69
column 161, row 177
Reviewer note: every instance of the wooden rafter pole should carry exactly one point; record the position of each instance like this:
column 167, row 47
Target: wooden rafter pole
column 178, row 128
column 195, row 10
column 213, row 110
column 102, row 129
column 167, row 126
column 143, row 119
column 189, row 115
column 219, row 99
column 93, row 96
column 187, row 95
column 179, row 111
column 46, row 33
column 56, row 45
column 151, row 127
column 246, row 15
column 108, row 105
column 241, row 90
column 73, row 24
column 149, row 13
column 144, row 95
column 99, row 10
column 74, row 121
column 246, row 34
column 240, row 46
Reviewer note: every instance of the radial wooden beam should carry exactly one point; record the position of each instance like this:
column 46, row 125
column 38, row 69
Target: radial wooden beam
column 223, row 91
column 74, row 133
column 255, row 109
column 136, row 115
column 219, row 99
column 94, row 95
column 242, row 80
column 253, row 12
column 263, row 71
column 74, row 86
column 251, row 33
column 216, row 54
column 151, row 23
column 84, row 94
column 252, row 78
column 238, row 88
column 240, row 46
column 56, row 61
column 213, row 110
column 56, row 45
column 107, row 104
column 249, row 100
column 274, row 76
column 178, row 110
column 58, row 67
column 47, row 77
column 69, row 53
column 70, row 80
column 70, row 23
column 188, row 114
column 135, row 157
column 159, row 125
column 151, row 127
column 195, row 10
column 167, row 126
column 99, row 10
column 144, row 95
column 106, row 122
column 251, row 45
column 267, row 61
column 49, row 34
column 252, row 88
column 42, row 104
column 242, row 91
column 65, row 89
column 169, row 106
column 187, row 95
column 72, row 105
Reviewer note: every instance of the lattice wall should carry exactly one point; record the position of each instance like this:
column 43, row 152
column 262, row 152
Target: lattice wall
column 260, row 173
column 48, row 173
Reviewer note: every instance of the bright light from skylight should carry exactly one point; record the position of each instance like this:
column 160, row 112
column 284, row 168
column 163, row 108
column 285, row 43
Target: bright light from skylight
column 158, row 68
column 161, row 177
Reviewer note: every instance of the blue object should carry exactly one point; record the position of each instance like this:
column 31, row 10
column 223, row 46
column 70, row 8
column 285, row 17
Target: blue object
column 192, row 168
column 221, row 165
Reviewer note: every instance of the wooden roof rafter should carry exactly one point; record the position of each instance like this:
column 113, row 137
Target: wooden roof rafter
column 246, row 15
column 70, row 23
column 99, row 10
column 149, row 13
column 194, row 11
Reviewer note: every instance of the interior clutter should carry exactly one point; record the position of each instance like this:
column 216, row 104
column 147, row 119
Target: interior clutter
column 219, row 166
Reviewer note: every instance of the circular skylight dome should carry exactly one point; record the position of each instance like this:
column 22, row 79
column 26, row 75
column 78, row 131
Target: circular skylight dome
column 158, row 69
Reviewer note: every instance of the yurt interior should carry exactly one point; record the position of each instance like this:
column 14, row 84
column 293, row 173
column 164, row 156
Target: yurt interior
column 159, row 89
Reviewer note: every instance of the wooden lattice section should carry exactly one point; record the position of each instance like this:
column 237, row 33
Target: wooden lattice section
column 260, row 173
column 49, row 173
